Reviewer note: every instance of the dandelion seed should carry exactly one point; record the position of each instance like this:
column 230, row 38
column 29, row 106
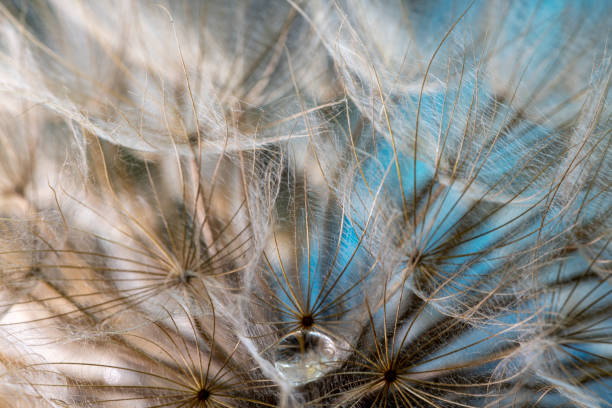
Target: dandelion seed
column 305, row 204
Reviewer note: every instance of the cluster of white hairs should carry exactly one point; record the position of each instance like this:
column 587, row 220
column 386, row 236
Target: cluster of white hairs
column 305, row 203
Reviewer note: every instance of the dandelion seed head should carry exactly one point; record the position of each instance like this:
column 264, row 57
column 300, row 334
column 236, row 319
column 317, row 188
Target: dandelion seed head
column 305, row 203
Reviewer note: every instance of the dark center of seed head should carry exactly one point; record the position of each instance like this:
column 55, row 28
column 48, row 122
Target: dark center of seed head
column 307, row 321
column 390, row 376
column 186, row 276
column 415, row 258
column 203, row 394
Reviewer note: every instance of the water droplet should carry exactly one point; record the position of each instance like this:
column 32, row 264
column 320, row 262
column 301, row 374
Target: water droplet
column 304, row 356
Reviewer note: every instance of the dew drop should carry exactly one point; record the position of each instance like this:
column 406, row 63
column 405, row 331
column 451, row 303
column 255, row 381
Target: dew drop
column 304, row 356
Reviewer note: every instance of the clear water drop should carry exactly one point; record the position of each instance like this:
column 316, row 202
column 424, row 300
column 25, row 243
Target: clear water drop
column 304, row 356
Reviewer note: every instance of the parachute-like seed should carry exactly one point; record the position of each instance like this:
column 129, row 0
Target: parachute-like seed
column 290, row 203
